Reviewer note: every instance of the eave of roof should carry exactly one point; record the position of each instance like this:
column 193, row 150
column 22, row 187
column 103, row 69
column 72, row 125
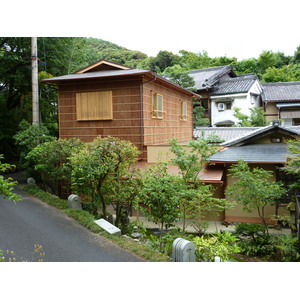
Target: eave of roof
column 253, row 153
column 224, row 133
column 206, row 78
column 235, row 85
column 261, row 131
column 113, row 74
column 207, row 176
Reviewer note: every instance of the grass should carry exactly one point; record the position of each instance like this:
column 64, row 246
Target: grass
column 87, row 220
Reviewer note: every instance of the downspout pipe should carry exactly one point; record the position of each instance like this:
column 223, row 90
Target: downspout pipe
column 142, row 112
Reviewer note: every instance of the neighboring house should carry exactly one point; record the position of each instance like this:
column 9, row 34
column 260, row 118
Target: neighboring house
column 222, row 91
column 108, row 99
column 265, row 147
column 281, row 100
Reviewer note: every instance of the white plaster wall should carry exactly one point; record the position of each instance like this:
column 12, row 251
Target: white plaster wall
column 242, row 101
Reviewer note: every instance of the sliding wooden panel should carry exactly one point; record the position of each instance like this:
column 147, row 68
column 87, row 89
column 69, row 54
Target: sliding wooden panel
column 94, row 106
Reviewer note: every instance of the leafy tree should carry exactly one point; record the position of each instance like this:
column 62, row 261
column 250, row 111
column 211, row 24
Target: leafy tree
column 165, row 59
column 161, row 194
column 98, row 163
column 6, row 185
column 253, row 189
column 193, row 61
column 51, row 160
column 29, row 137
column 122, row 189
column 247, row 66
column 149, row 63
column 256, row 118
column 178, row 75
column 223, row 61
column 196, row 197
column 293, row 163
column 198, row 115
column 269, row 59
column 289, row 72
column 296, row 58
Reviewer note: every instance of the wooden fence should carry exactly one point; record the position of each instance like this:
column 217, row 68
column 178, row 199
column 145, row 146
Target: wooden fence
column 297, row 206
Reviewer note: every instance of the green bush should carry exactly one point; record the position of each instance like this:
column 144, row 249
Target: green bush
column 275, row 248
column 27, row 138
column 221, row 244
column 50, row 161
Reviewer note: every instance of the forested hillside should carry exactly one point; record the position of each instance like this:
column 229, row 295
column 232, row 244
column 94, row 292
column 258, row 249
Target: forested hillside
column 64, row 55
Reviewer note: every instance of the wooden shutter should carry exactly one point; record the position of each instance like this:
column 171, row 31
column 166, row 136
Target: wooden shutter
column 94, row 106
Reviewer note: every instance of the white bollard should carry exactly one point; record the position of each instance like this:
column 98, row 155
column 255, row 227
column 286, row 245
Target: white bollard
column 217, row 259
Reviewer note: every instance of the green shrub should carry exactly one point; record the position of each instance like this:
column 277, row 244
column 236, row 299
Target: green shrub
column 50, row 161
column 252, row 230
column 27, row 138
column 221, row 244
column 287, row 248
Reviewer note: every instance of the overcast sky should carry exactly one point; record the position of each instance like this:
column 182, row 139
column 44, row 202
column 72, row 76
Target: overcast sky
column 232, row 28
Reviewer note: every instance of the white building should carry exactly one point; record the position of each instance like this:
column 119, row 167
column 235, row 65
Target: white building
column 222, row 90
column 242, row 91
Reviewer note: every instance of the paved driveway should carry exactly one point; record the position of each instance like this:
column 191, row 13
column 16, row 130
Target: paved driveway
column 30, row 222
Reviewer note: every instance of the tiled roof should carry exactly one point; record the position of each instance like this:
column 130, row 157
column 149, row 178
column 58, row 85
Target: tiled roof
column 293, row 130
column 224, row 133
column 208, row 176
column 254, row 153
column 281, row 91
column 231, row 135
column 239, row 84
column 206, row 78
column 113, row 73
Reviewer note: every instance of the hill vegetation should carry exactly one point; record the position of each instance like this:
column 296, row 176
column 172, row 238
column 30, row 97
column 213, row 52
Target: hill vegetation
column 64, row 55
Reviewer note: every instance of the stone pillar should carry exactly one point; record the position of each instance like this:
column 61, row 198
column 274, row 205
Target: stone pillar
column 183, row 251
column 74, row 201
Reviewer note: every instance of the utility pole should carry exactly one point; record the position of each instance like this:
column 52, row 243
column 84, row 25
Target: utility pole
column 35, row 87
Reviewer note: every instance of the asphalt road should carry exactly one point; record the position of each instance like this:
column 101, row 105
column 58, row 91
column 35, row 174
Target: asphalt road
column 31, row 222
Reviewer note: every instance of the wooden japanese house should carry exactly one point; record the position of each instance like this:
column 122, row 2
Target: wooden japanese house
column 108, row 99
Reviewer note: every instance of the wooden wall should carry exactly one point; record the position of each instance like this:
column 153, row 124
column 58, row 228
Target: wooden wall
column 126, row 111
column 126, row 122
column 158, row 131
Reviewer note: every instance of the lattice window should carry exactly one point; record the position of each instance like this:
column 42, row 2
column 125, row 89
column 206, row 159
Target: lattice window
column 157, row 106
column 183, row 110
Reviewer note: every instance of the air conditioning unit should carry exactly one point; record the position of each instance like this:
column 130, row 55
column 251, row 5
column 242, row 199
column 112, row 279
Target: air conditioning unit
column 221, row 106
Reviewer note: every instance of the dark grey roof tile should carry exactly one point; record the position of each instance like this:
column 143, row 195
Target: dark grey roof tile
column 206, row 78
column 281, row 91
column 254, row 153
column 239, row 84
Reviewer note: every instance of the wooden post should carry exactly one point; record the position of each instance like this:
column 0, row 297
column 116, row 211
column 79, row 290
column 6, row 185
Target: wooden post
column 35, row 88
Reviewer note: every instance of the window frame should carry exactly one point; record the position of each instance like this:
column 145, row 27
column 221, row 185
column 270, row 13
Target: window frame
column 97, row 100
column 183, row 111
column 156, row 112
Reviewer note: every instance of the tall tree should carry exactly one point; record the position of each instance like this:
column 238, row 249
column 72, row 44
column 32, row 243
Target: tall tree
column 196, row 198
column 253, row 189
column 96, row 165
